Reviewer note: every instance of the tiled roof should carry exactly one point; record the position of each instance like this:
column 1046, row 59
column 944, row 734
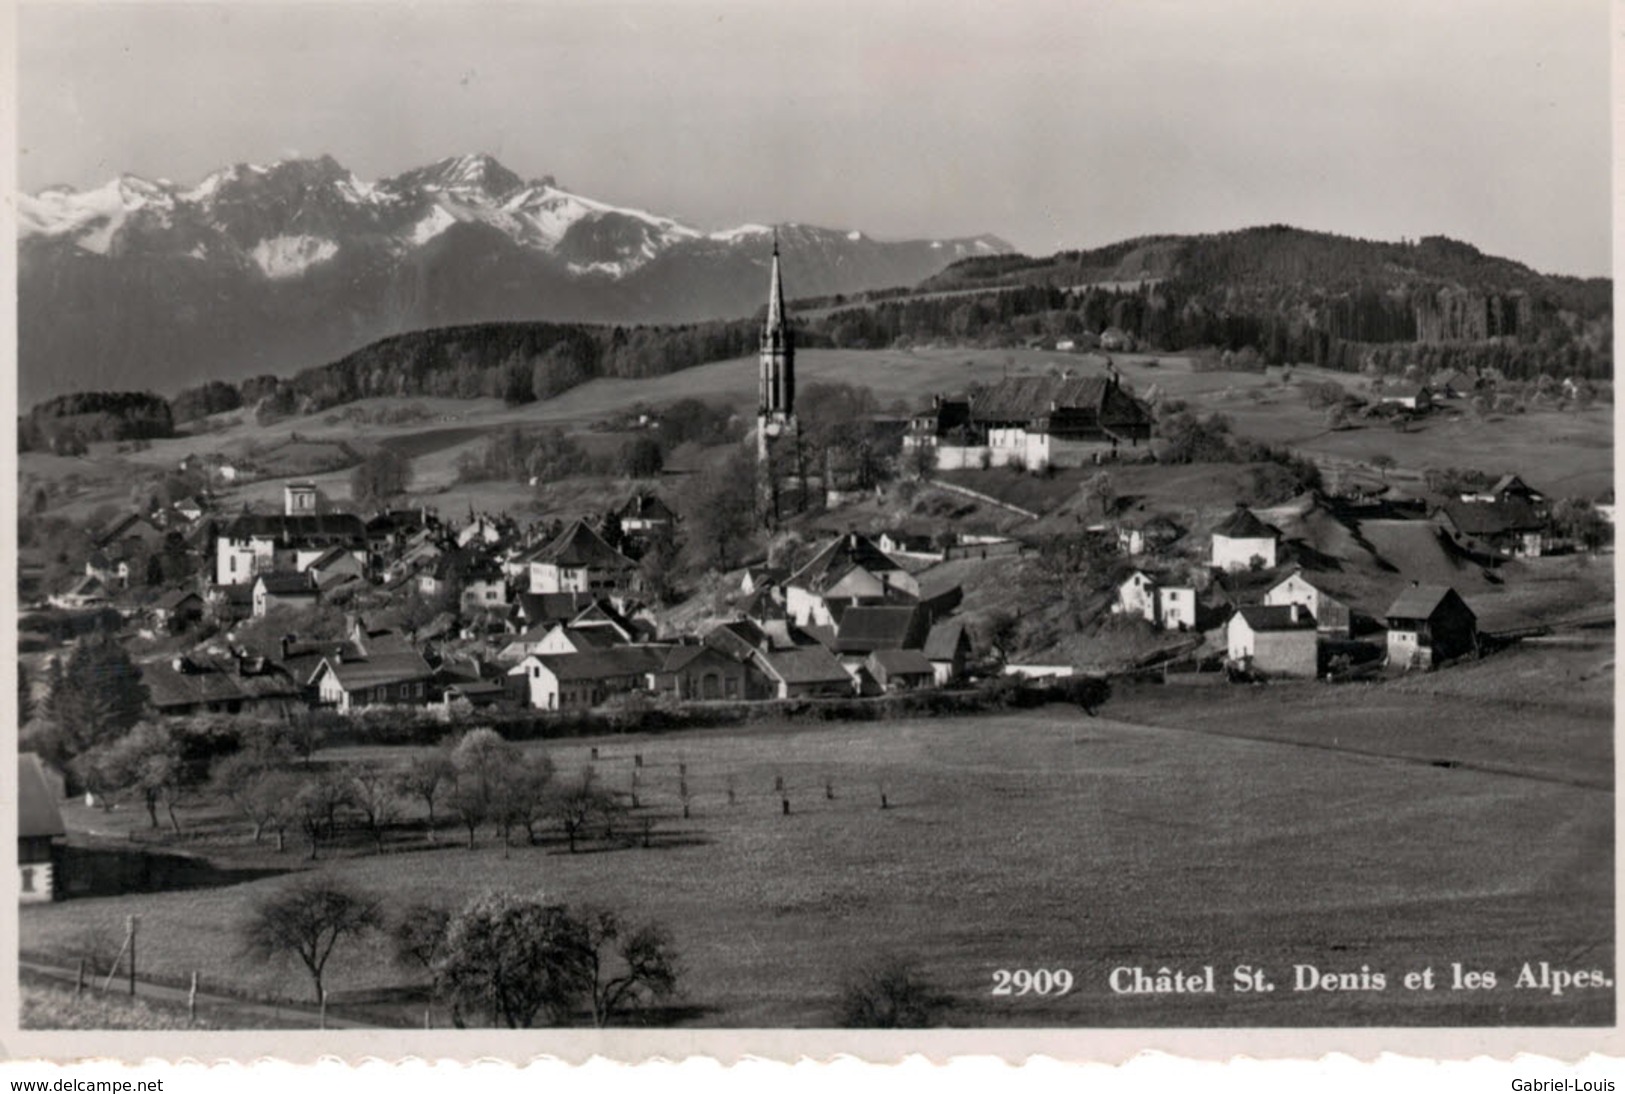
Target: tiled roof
column 839, row 557
column 942, row 643
column 1492, row 518
column 285, row 584
column 1272, row 617
column 804, row 665
column 579, row 545
column 865, row 628
column 383, row 669
column 280, row 526
column 213, row 680
column 1242, row 524
column 1421, row 601
column 902, row 662
column 600, row 664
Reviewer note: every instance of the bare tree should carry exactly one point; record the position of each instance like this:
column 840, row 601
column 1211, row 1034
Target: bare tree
column 374, row 793
column 307, row 920
column 317, row 806
column 427, row 778
column 892, row 994
column 628, row 966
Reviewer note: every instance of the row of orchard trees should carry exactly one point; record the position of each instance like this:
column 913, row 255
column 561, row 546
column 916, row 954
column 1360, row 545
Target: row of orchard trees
column 503, row 958
column 480, row 779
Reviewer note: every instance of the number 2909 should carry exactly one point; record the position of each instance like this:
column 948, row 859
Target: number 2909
column 1031, row 982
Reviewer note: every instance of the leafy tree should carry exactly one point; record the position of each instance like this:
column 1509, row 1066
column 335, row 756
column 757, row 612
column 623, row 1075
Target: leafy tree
column 579, row 803
column 1383, row 462
column 307, row 919
column 427, row 778
column 641, row 458
column 480, row 761
column 98, row 694
column 317, row 804
column 518, row 799
column 720, row 509
column 146, row 761
column 511, row 958
column 420, row 934
column 382, row 475
column 893, row 994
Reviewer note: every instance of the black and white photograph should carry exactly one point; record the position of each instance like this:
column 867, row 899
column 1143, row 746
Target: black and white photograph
column 653, row 519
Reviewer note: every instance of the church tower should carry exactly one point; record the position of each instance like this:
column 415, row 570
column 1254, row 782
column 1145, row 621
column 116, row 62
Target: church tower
column 777, row 434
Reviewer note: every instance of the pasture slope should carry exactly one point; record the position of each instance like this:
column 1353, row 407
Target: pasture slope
column 1274, row 828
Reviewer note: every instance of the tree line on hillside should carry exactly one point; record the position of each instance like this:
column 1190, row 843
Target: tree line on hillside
column 1289, row 295
column 67, row 423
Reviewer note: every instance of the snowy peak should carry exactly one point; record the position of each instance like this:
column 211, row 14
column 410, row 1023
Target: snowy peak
column 292, row 216
column 473, row 175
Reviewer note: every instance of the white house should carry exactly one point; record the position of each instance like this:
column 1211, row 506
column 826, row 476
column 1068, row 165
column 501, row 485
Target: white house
column 849, row 570
column 1276, row 641
column 1137, row 595
column 1176, row 607
column 581, row 681
column 579, row 561
column 1331, row 615
column 1240, row 538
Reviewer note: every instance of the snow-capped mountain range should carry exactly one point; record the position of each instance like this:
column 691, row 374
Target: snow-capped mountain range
column 265, row 269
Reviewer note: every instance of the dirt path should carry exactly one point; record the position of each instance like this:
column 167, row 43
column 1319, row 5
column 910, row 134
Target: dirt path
column 205, row 999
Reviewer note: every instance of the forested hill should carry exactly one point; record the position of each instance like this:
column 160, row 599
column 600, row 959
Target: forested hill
column 1300, row 295
column 1290, row 295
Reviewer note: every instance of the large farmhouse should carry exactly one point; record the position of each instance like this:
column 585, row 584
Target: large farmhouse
column 1273, row 640
column 851, row 570
column 1428, row 624
column 1033, row 422
column 579, row 561
column 257, row 543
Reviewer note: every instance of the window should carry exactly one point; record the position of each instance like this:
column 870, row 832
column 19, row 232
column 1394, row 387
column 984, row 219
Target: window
column 28, row 879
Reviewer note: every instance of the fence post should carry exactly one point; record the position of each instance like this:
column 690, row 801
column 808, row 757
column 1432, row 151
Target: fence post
column 131, row 923
column 191, row 999
column 79, row 983
column 324, row 1009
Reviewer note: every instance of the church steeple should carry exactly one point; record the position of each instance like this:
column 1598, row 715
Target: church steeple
column 777, row 388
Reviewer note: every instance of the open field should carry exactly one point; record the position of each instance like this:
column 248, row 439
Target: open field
column 1405, row 830
column 1560, row 452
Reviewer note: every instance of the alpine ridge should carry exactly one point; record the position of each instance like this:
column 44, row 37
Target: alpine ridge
column 270, row 268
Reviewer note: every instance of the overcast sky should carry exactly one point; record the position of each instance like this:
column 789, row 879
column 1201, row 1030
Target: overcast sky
column 1053, row 125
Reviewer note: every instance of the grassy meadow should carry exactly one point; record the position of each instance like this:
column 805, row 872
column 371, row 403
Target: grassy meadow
column 1384, row 826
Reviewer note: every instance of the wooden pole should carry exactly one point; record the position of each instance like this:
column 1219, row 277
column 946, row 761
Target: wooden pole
column 130, row 923
column 191, row 999
column 79, row 984
column 425, row 1017
column 324, row 1009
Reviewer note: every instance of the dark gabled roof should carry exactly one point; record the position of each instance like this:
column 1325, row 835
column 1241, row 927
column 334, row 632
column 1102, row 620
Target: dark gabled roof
column 1022, row 398
column 378, row 670
column 37, row 814
column 1406, row 391
column 240, row 593
column 281, row 526
column 1507, row 483
column 327, row 558
column 804, row 665
column 944, row 639
column 864, row 629
column 1273, row 617
column 680, row 657
column 286, row 584
column 901, row 662
column 647, row 507
column 591, row 638
column 840, row 556
column 1493, row 518
column 739, row 638
column 1421, row 601
column 551, row 607
column 579, row 545
column 1242, row 524
column 126, row 526
column 175, row 598
column 599, row 664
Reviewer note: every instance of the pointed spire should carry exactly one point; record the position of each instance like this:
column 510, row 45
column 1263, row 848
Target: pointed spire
column 775, row 291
